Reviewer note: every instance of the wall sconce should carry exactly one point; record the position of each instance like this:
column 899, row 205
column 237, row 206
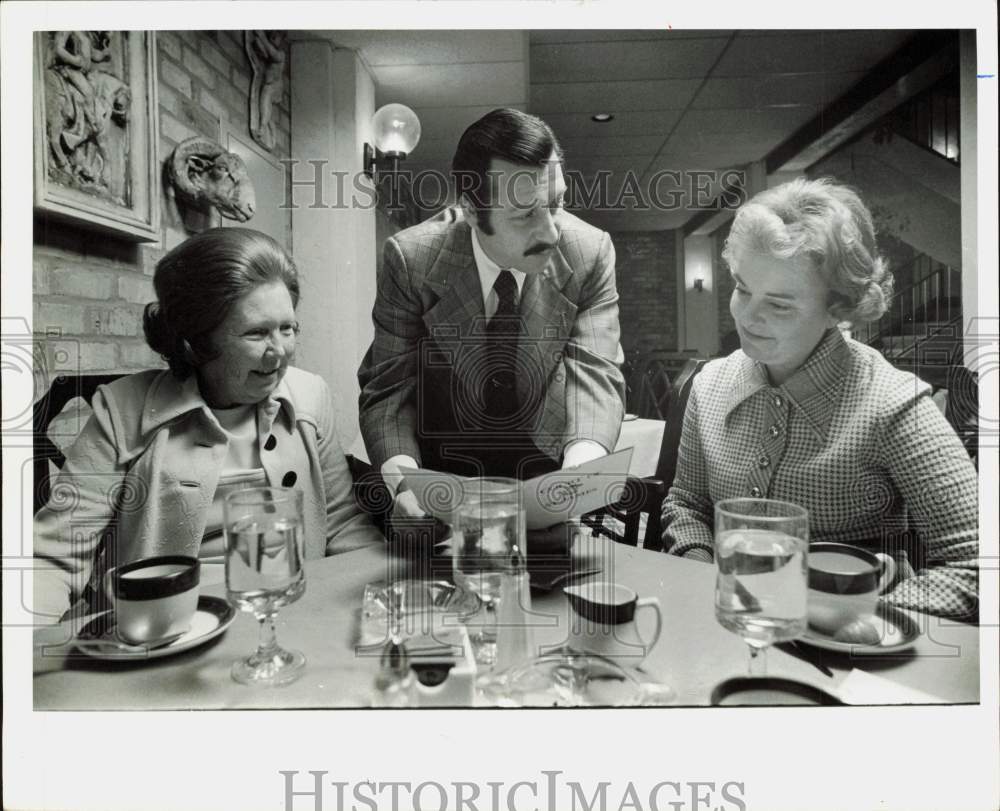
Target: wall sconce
column 397, row 132
column 699, row 284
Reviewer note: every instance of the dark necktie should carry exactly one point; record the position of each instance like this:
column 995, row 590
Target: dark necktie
column 500, row 394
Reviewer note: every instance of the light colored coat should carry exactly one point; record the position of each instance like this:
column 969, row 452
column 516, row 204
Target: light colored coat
column 143, row 472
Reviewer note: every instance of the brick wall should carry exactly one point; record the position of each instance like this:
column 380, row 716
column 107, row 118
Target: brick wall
column 647, row 289
column 89, row 288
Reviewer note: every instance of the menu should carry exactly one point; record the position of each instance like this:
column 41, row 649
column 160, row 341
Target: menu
column 549, row 499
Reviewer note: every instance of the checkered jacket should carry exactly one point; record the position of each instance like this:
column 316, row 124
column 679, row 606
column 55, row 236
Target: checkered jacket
column 858, row 443
column 429, row 314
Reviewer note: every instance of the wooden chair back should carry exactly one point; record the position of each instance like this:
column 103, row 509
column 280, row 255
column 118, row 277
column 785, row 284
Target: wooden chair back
column 670, row 445
column 63, row 389
column 643, row 497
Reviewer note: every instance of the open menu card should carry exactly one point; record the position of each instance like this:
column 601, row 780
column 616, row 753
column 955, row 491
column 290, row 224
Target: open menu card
column 549, row 499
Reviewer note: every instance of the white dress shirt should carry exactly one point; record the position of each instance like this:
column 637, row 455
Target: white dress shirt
column 488, row 273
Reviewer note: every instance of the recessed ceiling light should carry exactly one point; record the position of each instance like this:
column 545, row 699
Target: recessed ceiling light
column 602, row 118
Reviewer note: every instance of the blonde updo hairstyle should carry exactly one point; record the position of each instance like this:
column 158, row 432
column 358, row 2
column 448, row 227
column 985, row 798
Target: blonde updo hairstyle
column 826, row 222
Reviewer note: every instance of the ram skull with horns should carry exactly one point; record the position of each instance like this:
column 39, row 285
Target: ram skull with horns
column 205, row 175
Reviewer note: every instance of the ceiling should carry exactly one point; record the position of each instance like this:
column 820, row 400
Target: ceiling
column 687, row 102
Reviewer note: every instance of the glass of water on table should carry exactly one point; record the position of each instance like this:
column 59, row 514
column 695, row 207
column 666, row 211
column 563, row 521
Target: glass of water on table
column 761, row 551
column 488, row 523
column 265, row 545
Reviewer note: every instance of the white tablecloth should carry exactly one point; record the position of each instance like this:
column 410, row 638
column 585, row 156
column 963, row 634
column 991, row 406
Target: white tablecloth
column 644, row 437
column 694, row 652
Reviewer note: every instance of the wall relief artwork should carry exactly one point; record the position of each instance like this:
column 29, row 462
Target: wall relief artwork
column 95, row 129
column 266, row 52
column 204, row 178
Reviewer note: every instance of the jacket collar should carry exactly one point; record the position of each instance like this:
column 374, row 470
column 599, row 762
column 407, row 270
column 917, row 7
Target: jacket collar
column 813, row 389
column 170, row 398
column 455, row 278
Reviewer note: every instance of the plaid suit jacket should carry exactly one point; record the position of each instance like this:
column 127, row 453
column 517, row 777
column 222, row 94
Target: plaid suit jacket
column 429, row 321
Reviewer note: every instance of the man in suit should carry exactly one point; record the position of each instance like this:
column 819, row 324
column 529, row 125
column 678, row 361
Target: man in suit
column 496, row 348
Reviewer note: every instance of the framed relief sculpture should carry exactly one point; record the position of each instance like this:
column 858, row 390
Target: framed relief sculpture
column 95, row 130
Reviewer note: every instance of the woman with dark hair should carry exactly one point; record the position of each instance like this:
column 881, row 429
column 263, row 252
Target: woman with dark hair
column 148, row 474
column 801, row 413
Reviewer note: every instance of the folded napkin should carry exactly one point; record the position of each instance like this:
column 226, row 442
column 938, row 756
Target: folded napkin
column 860, row 687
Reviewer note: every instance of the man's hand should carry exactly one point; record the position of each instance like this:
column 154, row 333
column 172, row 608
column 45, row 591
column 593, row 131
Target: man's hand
column 580, row 451
column 405, row 506
column 411, row 528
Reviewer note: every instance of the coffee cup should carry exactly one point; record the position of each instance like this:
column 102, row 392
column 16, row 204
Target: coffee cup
column 154, row 599
column 844, row 584
column 604, row 621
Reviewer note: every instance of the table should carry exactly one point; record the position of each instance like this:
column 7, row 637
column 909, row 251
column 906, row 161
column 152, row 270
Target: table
column 643, row 436
column 693, row 655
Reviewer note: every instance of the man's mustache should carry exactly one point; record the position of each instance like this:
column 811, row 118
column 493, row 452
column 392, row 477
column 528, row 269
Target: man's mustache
column 539, row 248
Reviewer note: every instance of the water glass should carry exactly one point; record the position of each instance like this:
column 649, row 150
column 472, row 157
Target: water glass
column 489, row 523
column 265, row 545
column 761, row 551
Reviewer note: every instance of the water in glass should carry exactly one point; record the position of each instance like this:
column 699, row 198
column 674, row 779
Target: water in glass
column 486, row 537
column 761, row 588
column 264, row 569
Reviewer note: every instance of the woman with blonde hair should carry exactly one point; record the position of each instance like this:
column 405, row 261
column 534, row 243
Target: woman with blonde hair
column 802, row 413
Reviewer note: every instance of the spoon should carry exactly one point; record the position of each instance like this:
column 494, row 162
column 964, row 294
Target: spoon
column 550, row 585
column 806, row 654
column 101, row 643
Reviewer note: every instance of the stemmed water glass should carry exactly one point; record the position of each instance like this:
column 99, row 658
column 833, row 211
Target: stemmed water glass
column 489, row 524
column 265, row 544
column 761, row 551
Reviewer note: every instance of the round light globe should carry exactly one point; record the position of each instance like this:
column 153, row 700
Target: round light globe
column 397, row 129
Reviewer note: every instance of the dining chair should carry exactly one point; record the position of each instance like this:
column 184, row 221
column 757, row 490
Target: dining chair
column 655, row 391
column 370, row 492
column 666, row 467
column 64, row 389
column 637, row 514
column 962, row 408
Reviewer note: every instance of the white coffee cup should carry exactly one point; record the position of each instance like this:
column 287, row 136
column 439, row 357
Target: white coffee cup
column 844, row 584
column 153, row 599
column 604, row 621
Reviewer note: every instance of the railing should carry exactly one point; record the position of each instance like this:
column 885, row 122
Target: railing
column 931, row 119
column 930, row 306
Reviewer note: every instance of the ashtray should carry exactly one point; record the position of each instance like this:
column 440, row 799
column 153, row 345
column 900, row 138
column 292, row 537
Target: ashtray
column 422, row 605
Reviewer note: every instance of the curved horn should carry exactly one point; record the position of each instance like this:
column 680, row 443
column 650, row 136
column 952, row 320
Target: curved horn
column 198, row 145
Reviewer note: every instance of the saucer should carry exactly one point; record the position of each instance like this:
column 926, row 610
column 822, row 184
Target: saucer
column 896, row 630
column 212, row 617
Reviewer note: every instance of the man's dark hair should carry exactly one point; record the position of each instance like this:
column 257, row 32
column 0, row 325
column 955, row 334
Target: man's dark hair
column 505, row 134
